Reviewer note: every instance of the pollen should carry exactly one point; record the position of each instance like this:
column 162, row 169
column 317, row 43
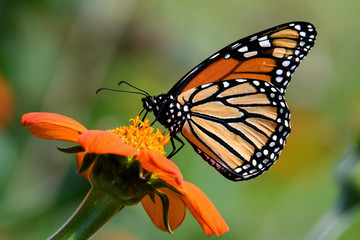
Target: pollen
column 141, row 135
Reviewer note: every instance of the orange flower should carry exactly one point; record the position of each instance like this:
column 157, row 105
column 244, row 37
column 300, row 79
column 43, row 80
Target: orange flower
column 7, row 103
column 159, row 182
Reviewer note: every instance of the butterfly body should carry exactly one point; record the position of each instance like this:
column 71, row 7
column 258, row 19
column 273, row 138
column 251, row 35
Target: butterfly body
column 231, row 107
column 173, row 114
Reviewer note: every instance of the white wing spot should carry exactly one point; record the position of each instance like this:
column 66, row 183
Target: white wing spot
column 243, row 49
column 215, row 55
column 240, row 80
column 265, row 43
column 286, row 63
column 206, row 85
column 235, row 45
column 263, row 38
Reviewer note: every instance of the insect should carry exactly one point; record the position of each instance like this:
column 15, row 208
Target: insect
column 231, row 107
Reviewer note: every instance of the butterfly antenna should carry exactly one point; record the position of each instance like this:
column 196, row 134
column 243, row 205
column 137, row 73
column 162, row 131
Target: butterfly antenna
column 130, row 85
column 117, row 90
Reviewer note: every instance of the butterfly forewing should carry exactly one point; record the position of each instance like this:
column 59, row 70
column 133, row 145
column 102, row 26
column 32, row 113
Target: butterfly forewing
column 271, row 55
column 231, row 107
column 239, row 126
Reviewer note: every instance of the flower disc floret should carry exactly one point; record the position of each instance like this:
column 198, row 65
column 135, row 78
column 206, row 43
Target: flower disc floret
column 140, row 135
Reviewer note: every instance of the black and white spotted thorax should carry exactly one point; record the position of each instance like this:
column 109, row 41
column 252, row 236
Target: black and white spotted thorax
column 168, row 111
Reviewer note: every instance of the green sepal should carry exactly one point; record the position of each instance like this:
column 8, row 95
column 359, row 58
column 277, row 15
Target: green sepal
column 73, row 149
column 89, row 159
column 152, row 197
column 165, row 204
column 159, row 183
column 124, row 179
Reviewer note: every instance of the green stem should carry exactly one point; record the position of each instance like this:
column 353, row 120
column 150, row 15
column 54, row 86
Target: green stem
column 97, row 208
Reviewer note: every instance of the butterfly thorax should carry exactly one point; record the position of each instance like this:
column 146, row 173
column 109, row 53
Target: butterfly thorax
column 167, row 110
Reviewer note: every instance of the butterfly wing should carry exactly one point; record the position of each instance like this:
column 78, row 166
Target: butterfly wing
column 238, row 126
column 271, row 55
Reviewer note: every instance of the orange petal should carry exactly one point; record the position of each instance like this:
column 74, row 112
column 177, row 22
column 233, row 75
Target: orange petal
column 203, row 210
column 200, row 207
column 155, row 162
column 176, row 212
column 101, row 142
column 53, row 126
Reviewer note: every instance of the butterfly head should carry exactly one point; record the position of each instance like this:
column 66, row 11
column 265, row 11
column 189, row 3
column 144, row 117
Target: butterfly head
column 153, row 103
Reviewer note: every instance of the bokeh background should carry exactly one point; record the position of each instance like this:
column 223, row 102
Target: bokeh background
column 55, row 54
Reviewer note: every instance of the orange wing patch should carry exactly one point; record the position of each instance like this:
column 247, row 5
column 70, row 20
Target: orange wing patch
column 286, row 33
column 216, row 71
column 225, row 69
column 255, row 68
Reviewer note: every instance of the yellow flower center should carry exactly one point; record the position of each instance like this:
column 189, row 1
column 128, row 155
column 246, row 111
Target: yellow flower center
column 141, row 135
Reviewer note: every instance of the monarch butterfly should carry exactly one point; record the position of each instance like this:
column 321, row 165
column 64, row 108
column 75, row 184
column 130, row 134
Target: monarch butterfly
column 231, row 107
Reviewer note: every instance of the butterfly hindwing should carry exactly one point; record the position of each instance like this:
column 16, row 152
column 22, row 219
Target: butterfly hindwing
column 238, row 126
column 271, row 55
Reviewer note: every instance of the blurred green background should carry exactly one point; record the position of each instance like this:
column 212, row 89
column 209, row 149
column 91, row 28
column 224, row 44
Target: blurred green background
column 55, row 54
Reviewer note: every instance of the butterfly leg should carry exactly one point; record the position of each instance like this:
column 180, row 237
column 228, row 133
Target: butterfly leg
column 143, row 118
column 174, row 151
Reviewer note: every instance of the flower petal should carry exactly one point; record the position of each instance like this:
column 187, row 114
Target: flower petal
column 176, row 212
column 200, row 207
column 101, row 142
column 203, row 210
column 53, row 126
column 155, row 162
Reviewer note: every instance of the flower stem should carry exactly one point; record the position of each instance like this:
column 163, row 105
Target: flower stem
column 97, row 208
